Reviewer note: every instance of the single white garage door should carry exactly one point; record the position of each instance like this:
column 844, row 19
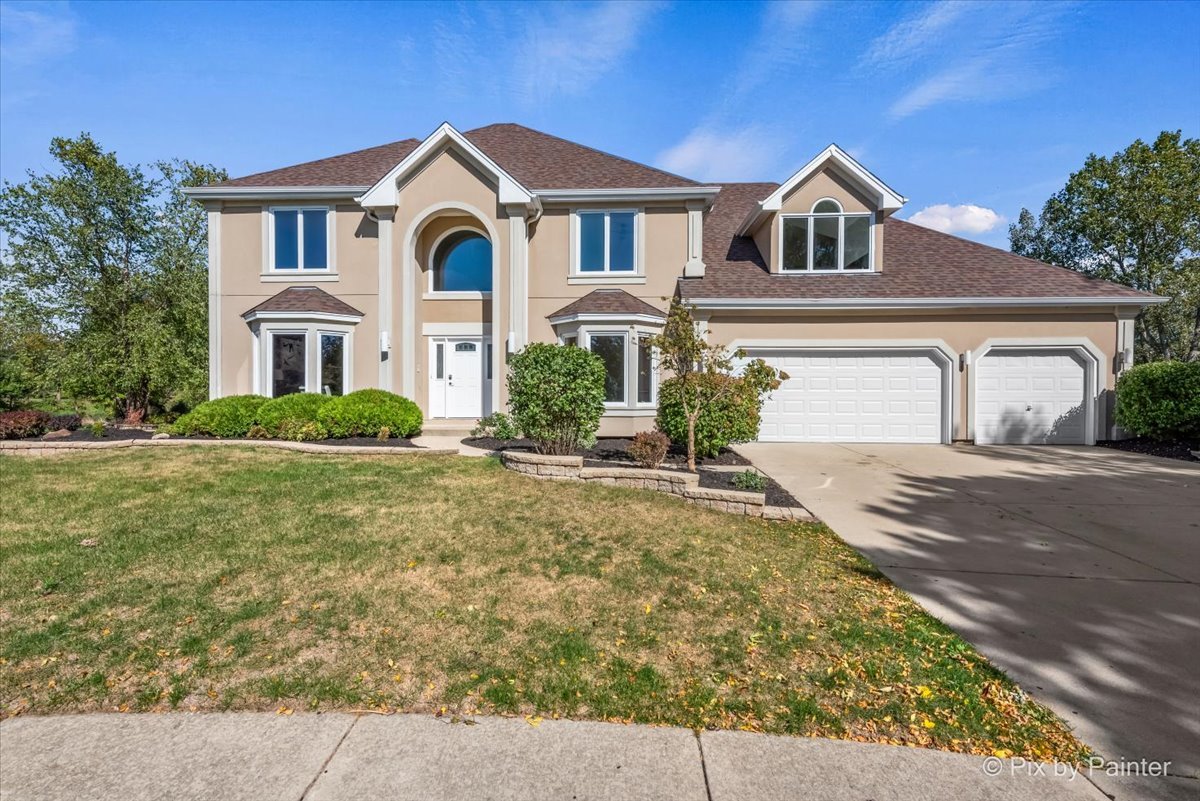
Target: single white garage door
column 853, row 396
column 1030, row 397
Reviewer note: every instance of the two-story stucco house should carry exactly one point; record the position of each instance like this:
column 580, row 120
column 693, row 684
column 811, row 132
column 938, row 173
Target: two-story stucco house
column 419, row 265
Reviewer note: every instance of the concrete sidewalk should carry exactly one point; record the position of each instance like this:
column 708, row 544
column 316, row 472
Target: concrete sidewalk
column 311, row 757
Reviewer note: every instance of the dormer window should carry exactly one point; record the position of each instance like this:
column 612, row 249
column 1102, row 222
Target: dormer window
column 828, row 239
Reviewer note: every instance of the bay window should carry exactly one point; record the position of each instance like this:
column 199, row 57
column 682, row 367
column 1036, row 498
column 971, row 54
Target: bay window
column 302, row 358
column 629, row 370
column 826, row 240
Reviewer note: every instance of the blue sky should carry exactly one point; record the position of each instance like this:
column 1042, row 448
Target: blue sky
column 972, row 110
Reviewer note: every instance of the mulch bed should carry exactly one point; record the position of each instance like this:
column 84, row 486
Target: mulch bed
column 1177, row 449
column 723, row 480
column 112, row 434
column 608, row 451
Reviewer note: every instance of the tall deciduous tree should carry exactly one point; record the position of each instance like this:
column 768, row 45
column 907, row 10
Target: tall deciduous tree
column 110, row 259
column 1133, row 218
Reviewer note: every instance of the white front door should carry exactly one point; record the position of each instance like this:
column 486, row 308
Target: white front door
column 456, row 377
column 1025, row 397
column 853, row 396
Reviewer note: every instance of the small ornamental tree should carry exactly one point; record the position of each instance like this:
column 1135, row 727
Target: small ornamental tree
column 701, row 383
column 556, row 396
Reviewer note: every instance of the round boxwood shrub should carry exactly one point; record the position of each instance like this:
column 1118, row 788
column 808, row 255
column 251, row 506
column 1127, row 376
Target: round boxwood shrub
column 297, row 408
column 228, row 418
column 365, row 412
column 1160, row 400
column 556, row 395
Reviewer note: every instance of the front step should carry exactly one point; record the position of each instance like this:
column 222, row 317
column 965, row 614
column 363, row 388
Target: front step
column 449, row 427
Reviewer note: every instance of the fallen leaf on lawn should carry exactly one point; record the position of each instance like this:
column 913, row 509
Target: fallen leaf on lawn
column 89, row 542
column 283, row 710
column 533, row 720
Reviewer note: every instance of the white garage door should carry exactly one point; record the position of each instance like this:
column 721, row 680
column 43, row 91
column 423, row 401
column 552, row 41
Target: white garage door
column 853, row 396
column 1030, row 397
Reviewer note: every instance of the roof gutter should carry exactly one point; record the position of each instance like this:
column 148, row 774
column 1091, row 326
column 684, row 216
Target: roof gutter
column 749, row 304
column 272, row 192
column 706, row 193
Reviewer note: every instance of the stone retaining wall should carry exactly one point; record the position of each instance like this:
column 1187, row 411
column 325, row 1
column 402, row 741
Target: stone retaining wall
column 59, row 448
column 674, row 482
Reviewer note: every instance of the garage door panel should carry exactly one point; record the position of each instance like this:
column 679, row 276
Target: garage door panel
column 1030, row 397
column 854, row 396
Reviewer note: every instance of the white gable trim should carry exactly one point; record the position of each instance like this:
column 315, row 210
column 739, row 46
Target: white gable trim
column 385, row 193
column 888, row 199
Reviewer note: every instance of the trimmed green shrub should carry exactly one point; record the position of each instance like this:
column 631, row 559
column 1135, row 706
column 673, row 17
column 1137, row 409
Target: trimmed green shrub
column 299, row 407
column 365, row 412
column 227, row 418
column 556, row 396
column 18, row 425
column 301, row 431
column 731, row 416
column 497, row 425
column 1160, row 400
column 649, row 448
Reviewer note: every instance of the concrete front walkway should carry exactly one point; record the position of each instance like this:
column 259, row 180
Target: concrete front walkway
column 311, row 757
column 1076, row 570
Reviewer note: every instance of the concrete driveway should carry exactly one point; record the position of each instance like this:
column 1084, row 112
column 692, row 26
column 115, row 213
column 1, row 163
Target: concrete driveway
column 1076, row 570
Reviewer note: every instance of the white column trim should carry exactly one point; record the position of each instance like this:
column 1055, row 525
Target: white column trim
column 384, row 239
column 518, row 274
column 694, row 268
column 214, row 299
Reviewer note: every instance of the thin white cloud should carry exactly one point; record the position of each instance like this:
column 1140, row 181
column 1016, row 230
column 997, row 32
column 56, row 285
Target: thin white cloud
column 723, row 146
column 743, row 154
column 1004, row 53
column 962, row 219
column 31, row 33
column 566, row 50
column 915, row 35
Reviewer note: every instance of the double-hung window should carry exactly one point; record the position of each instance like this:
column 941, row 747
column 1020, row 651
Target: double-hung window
column 606, row 243
column 826, row 240
column 299, row 239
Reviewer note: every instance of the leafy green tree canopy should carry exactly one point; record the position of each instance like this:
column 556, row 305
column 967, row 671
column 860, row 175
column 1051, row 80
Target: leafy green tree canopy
column 108, row 260
column 1133, row 218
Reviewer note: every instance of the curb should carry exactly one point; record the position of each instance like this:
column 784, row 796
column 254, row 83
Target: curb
column 35, row 449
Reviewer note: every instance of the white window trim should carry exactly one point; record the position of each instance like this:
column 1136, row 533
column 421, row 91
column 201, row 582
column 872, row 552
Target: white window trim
column 263, row 349
column 606, row 276
column 270, row 273
column 583, row 338
column 434, row 294
column 841, row 215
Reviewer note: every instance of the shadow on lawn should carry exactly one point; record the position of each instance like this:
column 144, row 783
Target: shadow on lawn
column 1078, row 576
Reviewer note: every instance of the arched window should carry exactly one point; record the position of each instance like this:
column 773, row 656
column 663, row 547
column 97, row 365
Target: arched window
column 827, row 239
column 462, row 262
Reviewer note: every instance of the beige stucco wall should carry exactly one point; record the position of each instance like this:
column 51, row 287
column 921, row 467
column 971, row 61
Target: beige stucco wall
column 961, row 331
column 244, row 285
column 821, row 184
column 550, row 284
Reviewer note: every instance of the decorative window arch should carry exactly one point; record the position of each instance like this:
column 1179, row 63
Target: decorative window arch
column 461, row 261
column 827, row 205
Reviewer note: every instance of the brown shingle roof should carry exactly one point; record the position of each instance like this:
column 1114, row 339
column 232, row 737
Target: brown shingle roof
column 608, row 301
column 359, row 168
column 541, row 161
column 537, row 160
column 304, row 299
column 917, row 263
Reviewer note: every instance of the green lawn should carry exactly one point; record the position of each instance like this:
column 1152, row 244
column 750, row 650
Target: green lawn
column 243, row 579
